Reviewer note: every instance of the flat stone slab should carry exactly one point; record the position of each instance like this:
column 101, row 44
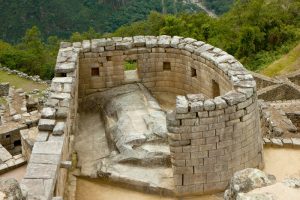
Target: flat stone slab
column 4, row 154
column 45, row 159
column 49, row 147
column 38, row 188
column 41, row 171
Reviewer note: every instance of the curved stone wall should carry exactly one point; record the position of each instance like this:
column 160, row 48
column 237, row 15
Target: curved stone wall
column 191, row 68
column 213, row 132
column 210, row 138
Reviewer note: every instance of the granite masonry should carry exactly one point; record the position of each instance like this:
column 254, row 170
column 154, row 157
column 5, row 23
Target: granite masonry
column 213, row 132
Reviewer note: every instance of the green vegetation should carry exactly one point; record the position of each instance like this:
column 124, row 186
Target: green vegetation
column 63, row 17
column 130, row 65
column 3, row 101
column 287, row 63
column 218, row 6
column 18, row 82
column 255, row 31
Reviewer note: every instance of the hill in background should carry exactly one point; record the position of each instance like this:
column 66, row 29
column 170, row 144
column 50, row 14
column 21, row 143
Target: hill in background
column 63, row 17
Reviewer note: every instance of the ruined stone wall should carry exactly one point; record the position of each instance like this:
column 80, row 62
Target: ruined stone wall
column 209, row 139
column 46, row 175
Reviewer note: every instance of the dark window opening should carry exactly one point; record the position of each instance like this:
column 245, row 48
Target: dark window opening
column 17, row 143
column 193, row 72
column 7, row 136
column 95, row 72
column 216, row 88
column 108, row 58
column 61, row 74
column 167, row 66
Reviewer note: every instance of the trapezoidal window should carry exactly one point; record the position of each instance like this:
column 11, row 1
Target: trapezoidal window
column 167, row 66
column 108, row 58
column 193, row 72
column 216, row 88
column 131, row 70
column 95, row 71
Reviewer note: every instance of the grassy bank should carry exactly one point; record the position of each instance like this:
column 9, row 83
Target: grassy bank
column 19, row 82
column 286, row 64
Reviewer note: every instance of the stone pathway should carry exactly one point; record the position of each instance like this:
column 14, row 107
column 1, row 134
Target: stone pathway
column 90, row 143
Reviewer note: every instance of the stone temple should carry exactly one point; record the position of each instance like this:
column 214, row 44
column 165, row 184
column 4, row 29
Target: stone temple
column 104, row 121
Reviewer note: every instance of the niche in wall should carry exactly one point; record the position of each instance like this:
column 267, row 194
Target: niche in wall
column 167, row 66
column 193, row 72
column 95, row 71
column 216, row 88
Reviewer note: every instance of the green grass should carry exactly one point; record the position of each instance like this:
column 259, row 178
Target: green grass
column 286, row 64
column 19, row 82
column 130, row 65
column 3, row 101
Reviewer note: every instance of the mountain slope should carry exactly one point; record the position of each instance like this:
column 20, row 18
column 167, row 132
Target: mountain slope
column 63, row 17
column 287, row 63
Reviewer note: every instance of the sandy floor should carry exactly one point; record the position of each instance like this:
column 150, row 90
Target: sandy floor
column 282, row 163
column 99, row 190
column 17, row 174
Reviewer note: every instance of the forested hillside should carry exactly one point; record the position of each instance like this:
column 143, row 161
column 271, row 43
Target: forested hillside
column 63, row 17
column 257, row 32
column 218, row 6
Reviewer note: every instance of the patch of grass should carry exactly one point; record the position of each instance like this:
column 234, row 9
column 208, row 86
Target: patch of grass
column 287, row 63
column 130, row 65
column 19, row 82
column 3, row 101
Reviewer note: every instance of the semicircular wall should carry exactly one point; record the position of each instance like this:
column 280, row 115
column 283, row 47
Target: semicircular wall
column 209, row 138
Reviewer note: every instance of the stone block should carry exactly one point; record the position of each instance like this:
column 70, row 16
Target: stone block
column 46, row 124
column 59, row 128
column 182, row 105
column 49, row 147
column 209, row 105
column 48, row 113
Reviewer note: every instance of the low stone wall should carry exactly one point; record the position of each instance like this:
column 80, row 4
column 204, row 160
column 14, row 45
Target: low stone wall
column 46, row 176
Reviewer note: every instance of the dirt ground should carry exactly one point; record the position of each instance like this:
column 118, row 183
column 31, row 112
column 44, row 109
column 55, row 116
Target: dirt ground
column 282, row 163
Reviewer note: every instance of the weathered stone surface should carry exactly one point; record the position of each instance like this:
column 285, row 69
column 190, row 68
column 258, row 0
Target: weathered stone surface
column 182, row 104
column 41, row 171
column 233, row 97
column 209, row 105
column 292, row 182
column 4, row 154
column 17, row 118
column 48, row 113
column 242, row 196
column 62, row 113
column 46, row 124
column 10, row 189
column 246, row 180
column 49, row 147
column 65, row 67
column 59, row 128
